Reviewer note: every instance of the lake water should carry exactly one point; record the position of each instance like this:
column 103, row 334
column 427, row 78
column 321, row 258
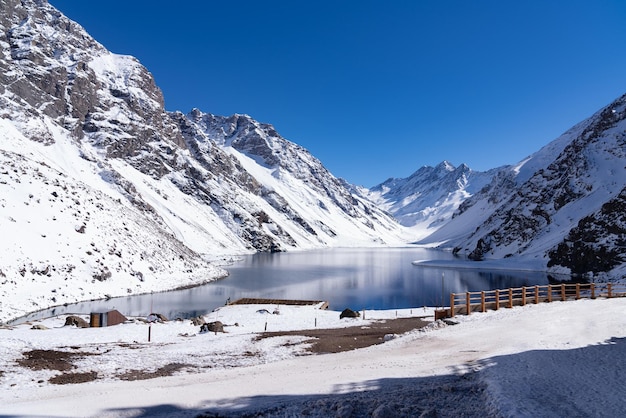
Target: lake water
column 377, row 278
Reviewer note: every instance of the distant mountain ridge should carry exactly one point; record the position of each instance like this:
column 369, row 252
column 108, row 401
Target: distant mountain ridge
column 427, row 199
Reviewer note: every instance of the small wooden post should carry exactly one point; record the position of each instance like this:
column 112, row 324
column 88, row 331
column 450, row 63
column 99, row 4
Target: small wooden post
column 536, row 294
column 510, row 297
column 523, row 295
column 451, row 305
column 562, row 291
column 482, row 301
column 549, row 293
column 577, row 291
column 593, row 290
column 467, row 302
column 609, row 290
column 497, row 299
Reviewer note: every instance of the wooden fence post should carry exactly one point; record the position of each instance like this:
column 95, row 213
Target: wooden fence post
column 482, row 301
column 497, row 299
column 593, row 290
column 536, row 294
column 451, row 305
column 549, row 293
column 577, row 291
column 563, row 291
column 510, row 297
column 608, row 289
column 523, row 295
column 467, row 302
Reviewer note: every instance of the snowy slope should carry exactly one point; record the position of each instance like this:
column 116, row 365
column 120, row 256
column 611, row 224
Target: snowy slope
column 64, row 240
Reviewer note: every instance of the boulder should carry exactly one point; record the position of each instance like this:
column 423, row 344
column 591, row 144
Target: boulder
column 216, row 326
column 197, row 321
column 77, row 321
column 349, row 313
column 156, row 317
column 384, row 411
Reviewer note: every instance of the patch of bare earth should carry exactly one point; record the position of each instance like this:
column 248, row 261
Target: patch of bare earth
column 167, row 370
column 57, row 360
column 335, row 340
column 72, row 378
column 48, row 360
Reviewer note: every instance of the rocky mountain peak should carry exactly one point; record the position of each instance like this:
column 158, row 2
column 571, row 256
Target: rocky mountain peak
column 445, row 166
column 240, row 132
column 54, row 68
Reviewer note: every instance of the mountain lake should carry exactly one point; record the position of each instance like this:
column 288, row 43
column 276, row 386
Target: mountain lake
column 356, row 278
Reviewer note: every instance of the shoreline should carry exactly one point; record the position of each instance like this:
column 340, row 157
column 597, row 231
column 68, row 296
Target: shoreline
column 497, row 265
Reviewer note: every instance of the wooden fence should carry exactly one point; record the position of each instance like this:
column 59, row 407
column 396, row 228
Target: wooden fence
column 468, row 302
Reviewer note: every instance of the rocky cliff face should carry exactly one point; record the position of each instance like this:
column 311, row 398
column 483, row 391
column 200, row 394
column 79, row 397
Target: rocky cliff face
column 597, row 243
column 52, row 67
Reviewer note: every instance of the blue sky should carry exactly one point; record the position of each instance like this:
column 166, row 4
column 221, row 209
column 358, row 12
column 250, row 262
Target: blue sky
column 377, row 89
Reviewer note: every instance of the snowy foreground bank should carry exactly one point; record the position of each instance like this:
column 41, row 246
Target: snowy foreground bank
column 557, row 359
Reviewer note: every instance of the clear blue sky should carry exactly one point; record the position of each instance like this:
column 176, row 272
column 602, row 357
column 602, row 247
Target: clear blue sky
column 377, row 89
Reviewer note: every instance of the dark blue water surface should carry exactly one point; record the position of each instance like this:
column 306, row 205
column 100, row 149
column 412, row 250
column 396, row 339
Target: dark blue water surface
column 377, row 278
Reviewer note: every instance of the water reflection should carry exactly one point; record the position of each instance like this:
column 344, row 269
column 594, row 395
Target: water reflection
column 380, row 278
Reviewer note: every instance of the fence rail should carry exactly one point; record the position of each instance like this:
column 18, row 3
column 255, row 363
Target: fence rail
column 468, row 302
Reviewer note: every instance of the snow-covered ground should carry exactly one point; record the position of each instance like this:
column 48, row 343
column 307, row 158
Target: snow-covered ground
column 556, row 359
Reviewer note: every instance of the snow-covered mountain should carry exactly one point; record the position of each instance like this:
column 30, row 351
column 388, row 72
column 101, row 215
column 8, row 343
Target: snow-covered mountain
column 427, row 199
column 281, row 187
column 562, row 207
column 103, row 192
